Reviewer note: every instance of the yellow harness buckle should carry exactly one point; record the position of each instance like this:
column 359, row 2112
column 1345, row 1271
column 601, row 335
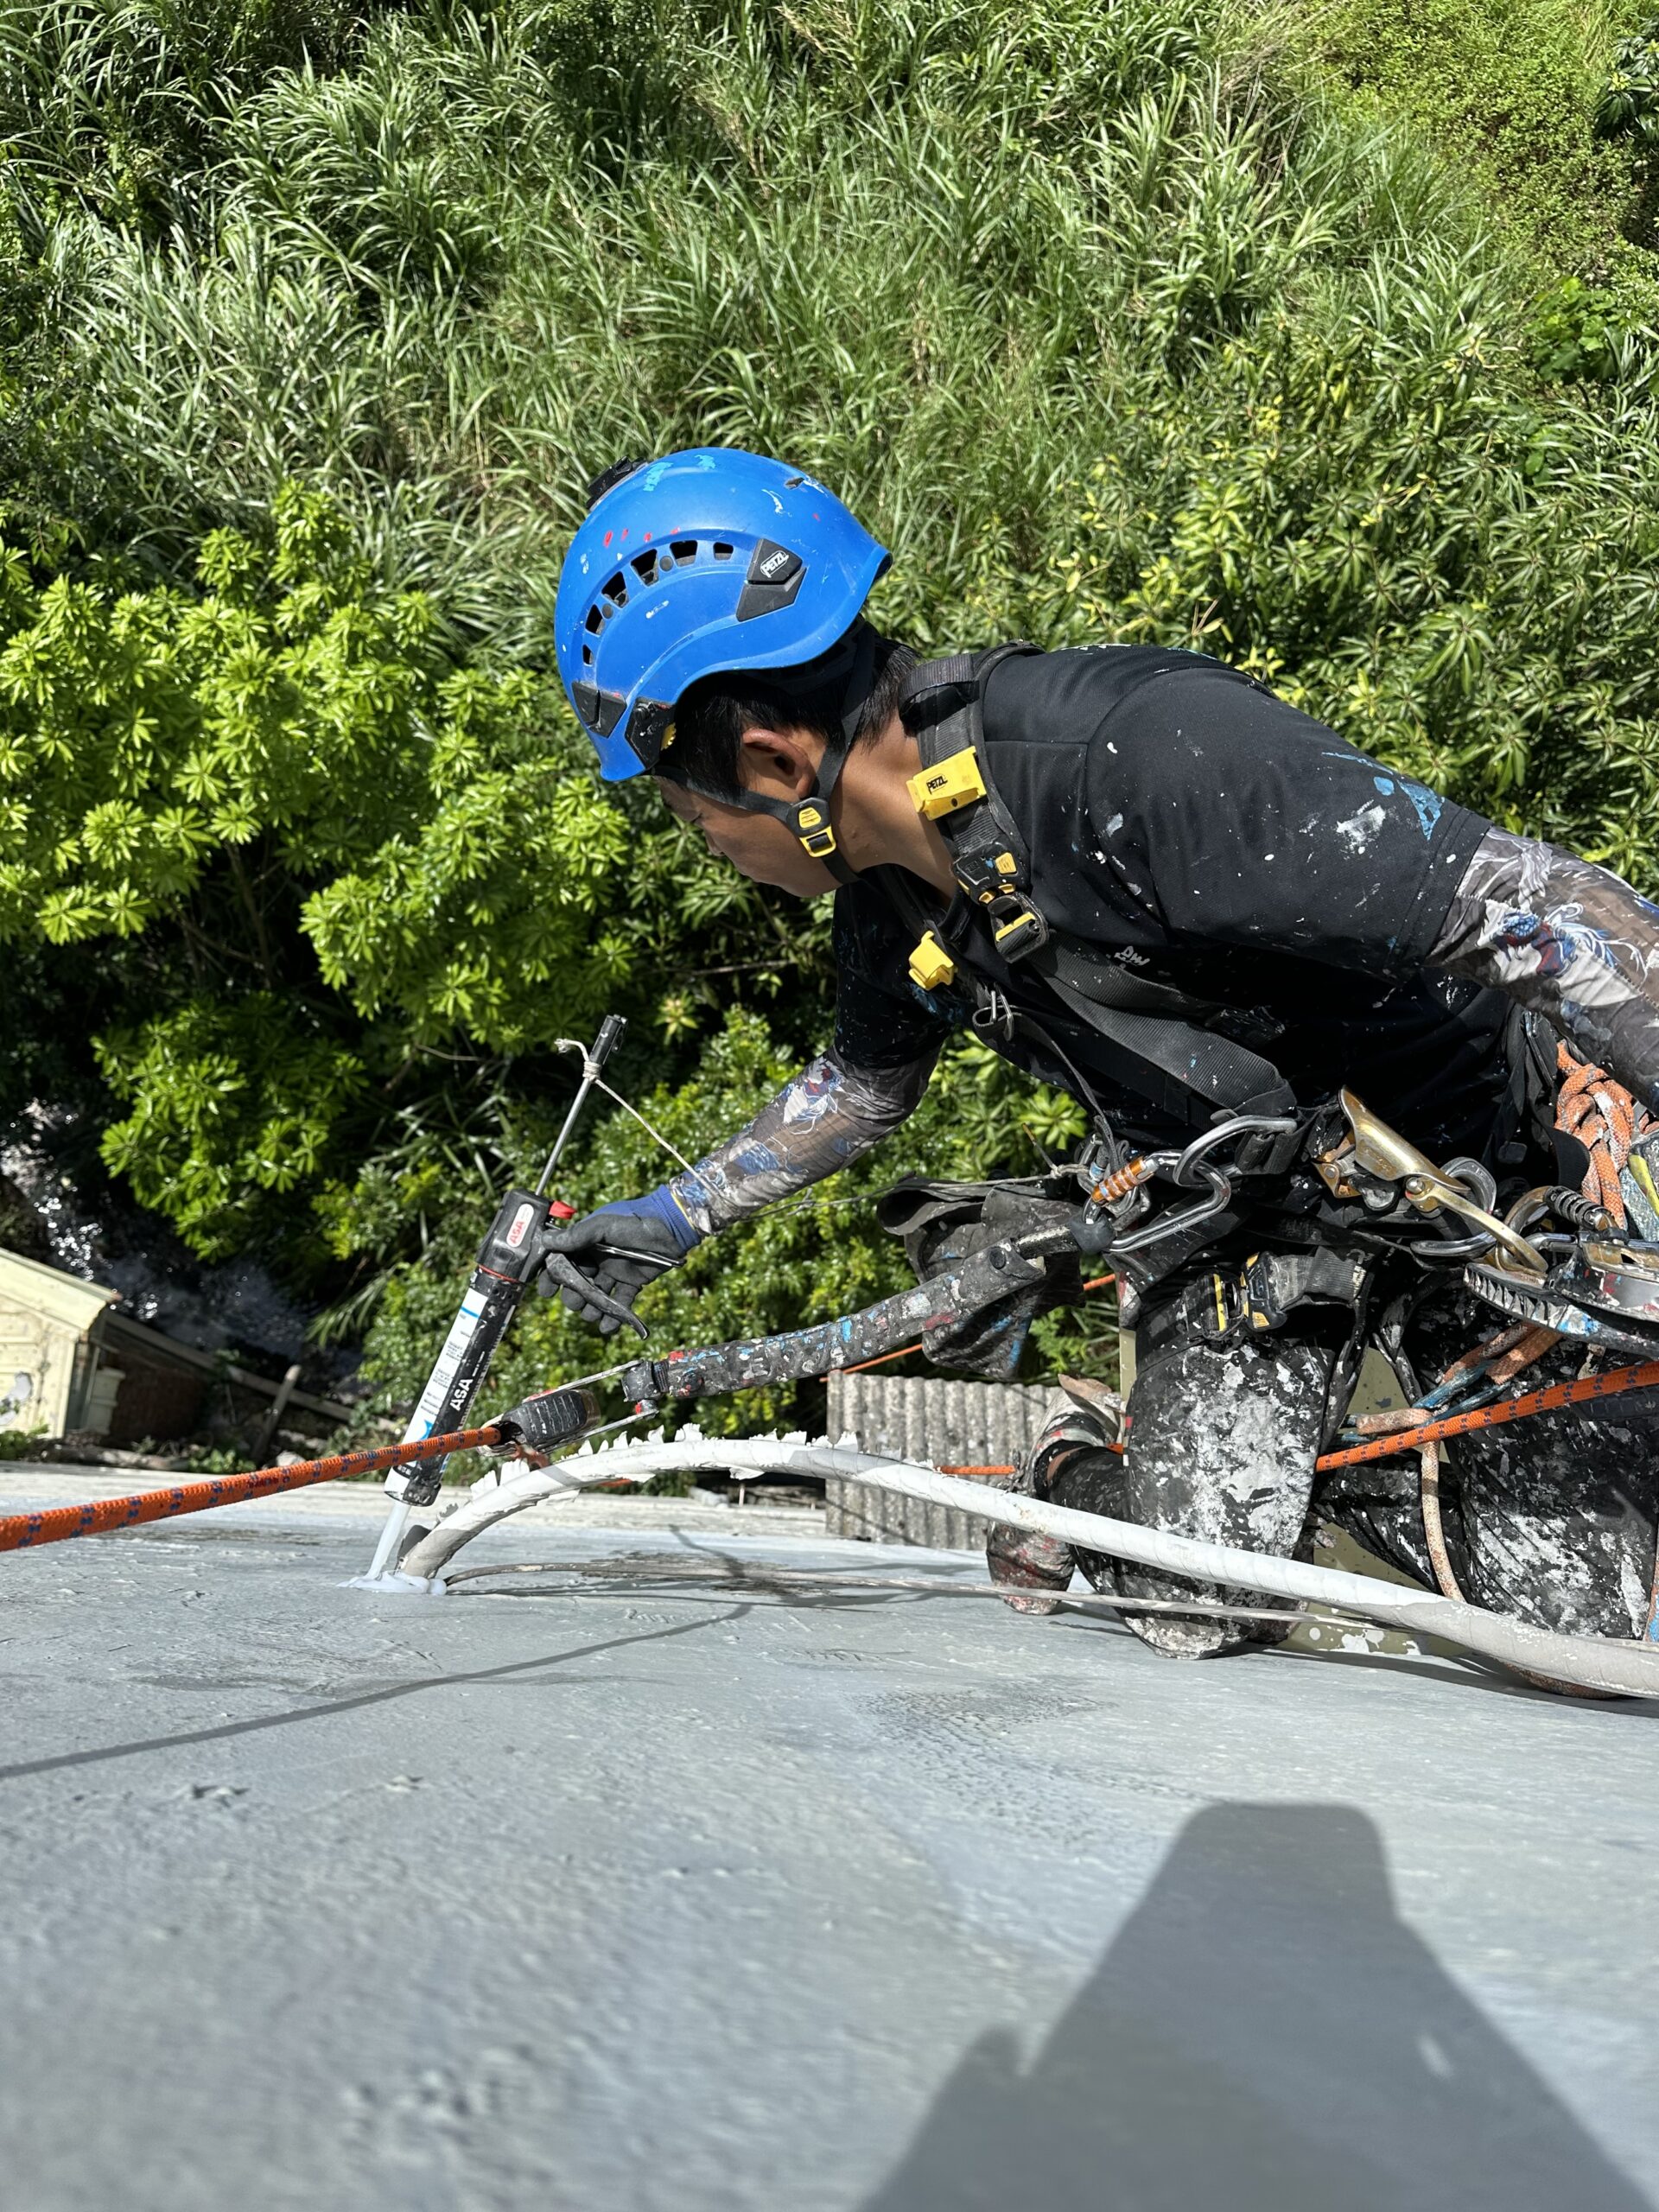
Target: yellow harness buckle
column 1021, row 934
column 955, row 782
column 812, row 827
column 931, row 966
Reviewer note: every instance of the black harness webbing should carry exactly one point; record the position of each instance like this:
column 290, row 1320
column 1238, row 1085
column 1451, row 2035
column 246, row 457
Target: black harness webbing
column 1158, row 1044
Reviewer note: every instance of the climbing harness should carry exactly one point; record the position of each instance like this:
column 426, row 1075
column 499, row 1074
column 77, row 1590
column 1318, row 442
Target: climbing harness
column 1154, row 1037
column 943, row 708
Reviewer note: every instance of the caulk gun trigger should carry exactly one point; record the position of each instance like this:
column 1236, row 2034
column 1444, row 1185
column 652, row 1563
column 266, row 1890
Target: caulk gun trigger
column 568, row 1276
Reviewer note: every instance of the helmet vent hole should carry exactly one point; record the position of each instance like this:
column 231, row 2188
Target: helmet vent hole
column 645, row 567
column 722, row 552
column 587, row 656
column 595, row 620
column 684, row 549
column 615, row 590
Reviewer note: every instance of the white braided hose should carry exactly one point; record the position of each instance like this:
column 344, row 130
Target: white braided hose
column 617, row 1463
column 1604, row 1664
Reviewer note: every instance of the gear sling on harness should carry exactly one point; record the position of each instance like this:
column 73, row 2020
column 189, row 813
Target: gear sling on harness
column 1155, row 1043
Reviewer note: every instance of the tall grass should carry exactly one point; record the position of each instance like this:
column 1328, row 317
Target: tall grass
column 1026, row 282
column 942, row 254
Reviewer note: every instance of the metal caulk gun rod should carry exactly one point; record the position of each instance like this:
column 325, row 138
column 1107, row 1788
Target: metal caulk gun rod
column 610, row 1031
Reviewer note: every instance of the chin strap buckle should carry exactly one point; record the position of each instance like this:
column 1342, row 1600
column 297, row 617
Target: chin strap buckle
column 809, row 819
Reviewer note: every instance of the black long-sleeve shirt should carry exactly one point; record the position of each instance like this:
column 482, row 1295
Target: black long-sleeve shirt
column 1352, row 926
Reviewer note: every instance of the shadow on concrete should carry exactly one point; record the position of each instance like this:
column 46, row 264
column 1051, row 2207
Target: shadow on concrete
column 1265, row 2035
column 386, row 1693
column 633, row 1575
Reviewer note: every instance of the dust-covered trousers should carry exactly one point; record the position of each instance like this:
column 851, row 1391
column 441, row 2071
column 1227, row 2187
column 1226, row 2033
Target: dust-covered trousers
column 1553, row 1518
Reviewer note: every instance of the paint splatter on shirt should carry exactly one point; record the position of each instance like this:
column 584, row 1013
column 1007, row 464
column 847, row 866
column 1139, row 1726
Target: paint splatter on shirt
column 1201, row 834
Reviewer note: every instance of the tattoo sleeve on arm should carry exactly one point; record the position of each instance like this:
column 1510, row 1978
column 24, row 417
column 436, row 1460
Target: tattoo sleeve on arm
column 1571, row 942
column 826, row 1118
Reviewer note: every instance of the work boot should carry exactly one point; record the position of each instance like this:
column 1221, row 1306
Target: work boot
column 1222, row 1446
column 1022, row 1563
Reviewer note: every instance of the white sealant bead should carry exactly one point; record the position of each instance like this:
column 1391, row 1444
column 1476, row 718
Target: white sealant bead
column 395, row 1585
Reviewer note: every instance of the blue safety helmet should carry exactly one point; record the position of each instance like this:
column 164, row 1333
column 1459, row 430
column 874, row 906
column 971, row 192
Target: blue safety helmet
column 703, row 563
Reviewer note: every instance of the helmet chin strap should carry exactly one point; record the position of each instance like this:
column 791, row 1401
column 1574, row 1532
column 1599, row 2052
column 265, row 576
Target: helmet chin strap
column 807, row 819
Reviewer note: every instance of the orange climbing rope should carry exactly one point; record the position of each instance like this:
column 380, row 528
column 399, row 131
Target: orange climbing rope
column 1578, row 1392
column 23, row 1531
column 1607, row 1119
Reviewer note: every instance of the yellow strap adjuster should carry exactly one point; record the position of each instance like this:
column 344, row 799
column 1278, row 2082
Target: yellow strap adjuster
column 812, row 827
column 956, row 782
column 1021, row 934
column 931, row 966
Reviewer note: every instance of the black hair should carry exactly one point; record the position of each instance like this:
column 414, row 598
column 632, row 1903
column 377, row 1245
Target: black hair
column 715, row 713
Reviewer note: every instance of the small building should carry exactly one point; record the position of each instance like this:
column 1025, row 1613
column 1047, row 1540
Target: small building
column 70, row 1364
column 53, row 1374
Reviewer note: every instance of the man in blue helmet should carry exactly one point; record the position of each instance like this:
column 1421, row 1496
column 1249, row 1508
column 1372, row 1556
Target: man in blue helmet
column 1144, row 879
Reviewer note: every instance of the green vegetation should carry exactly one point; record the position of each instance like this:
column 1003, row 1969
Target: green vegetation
column 1317, row 337
column 1509, row 91
column 1544, row 108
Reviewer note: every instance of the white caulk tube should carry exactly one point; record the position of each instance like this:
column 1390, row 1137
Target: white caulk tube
column 1595, row 1663
column 462, row 1331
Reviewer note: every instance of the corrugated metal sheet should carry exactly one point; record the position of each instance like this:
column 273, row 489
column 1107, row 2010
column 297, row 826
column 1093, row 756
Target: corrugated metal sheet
column 940, row 1423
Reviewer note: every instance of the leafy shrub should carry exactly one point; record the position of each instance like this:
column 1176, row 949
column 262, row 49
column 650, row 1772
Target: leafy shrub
column 1628, row 103
column 1369, row 514
column 1508, row 90
column 1574, row 333
column 234, row 1106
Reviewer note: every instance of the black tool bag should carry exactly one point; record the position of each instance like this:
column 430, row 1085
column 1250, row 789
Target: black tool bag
column 942, row 1223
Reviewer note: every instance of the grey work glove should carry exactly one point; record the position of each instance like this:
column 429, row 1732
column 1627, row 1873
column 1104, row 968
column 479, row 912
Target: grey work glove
column 620, row 1249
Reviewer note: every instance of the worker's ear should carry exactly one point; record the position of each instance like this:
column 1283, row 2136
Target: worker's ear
column 782, row 763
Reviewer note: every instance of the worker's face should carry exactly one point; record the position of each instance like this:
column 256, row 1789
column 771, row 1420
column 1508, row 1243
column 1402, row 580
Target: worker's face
column 782, row 766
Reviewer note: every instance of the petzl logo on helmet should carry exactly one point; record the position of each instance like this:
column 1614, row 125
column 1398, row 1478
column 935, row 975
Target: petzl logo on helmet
column 779, row 557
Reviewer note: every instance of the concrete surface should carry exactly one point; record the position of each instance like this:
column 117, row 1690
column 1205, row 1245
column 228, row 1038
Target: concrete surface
column 529, row 1897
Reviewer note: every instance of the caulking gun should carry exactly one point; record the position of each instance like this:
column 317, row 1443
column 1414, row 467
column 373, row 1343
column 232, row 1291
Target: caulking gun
column 510, row 1257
